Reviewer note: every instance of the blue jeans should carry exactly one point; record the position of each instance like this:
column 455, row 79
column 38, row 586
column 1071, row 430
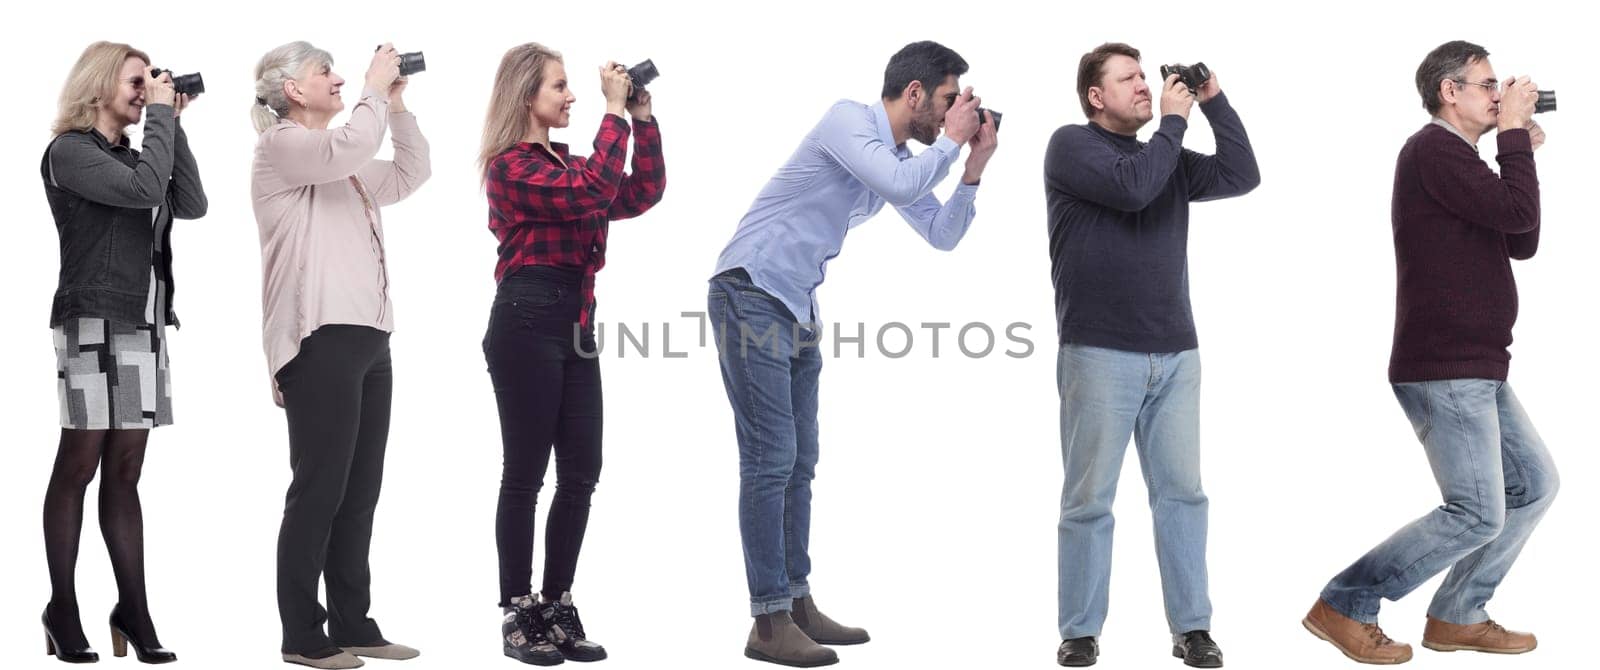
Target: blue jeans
column 770, row 368
column 1497, row 480
column 1108, row 396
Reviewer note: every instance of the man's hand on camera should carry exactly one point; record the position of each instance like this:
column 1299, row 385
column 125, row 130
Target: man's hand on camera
column 1210, row 89
column 180, row 104
column 961, row 120
column 982, row 146
column 1517, row 99
column 1175, row 97
column 1536, row 133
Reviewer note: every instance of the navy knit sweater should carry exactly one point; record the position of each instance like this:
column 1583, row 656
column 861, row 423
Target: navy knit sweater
column 1119, row 226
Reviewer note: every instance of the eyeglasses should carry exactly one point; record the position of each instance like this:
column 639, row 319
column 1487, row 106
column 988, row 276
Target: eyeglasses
column 1493, row 85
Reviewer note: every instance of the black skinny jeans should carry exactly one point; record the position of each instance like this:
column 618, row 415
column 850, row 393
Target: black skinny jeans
column 547, row 387
column 336, row 394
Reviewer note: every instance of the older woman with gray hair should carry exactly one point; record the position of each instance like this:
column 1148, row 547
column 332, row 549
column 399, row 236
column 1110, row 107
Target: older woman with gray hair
column 326, row 323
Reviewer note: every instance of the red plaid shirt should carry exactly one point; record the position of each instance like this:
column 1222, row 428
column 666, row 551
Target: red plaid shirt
column 546, row 214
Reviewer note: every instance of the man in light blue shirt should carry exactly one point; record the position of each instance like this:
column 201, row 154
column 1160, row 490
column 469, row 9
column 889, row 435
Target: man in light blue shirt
column 763, row 304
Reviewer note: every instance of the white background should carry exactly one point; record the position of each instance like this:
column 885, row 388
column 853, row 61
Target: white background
column 936, row 497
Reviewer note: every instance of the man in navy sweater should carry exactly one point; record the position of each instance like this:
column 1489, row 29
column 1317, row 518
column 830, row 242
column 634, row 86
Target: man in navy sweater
column 1457, row 225
column 1128, row 364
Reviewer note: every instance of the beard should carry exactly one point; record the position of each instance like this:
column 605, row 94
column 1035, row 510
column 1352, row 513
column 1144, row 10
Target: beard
column 925, row 124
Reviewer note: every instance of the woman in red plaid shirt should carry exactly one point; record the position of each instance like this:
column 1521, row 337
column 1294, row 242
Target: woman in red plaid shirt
column 550, row 211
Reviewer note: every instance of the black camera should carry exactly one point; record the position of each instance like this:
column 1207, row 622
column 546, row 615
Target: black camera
column 1192, row 76
column 410, row 63
column 187, row 84
column 641, row 75
column 992, row 113
column 1546, row 102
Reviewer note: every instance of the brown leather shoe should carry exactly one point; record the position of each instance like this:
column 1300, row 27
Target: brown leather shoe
column 776, row 639
column 1487, row 636
column 824, row 630
column 1361, row 642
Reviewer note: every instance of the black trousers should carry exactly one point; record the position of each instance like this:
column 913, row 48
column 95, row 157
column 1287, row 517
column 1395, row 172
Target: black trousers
column 336, row 394
column 547, row 387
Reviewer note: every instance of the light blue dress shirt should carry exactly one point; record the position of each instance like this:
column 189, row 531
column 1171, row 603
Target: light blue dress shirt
column 847, row 167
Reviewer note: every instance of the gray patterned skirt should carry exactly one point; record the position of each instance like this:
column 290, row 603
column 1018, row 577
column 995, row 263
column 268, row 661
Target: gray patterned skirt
column 112, row 375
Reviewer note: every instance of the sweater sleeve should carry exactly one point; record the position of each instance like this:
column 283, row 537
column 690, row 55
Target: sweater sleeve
column 77, row 164
column 1455, row 177
column 1232, row 171
column 1088, row 167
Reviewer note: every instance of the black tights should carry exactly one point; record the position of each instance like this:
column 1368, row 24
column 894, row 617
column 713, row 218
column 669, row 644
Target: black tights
column 81, row 453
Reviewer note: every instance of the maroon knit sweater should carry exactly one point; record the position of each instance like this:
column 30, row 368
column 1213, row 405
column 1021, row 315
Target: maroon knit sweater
column 1457, row 225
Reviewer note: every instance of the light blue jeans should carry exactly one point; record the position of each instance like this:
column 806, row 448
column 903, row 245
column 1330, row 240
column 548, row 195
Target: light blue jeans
column 1108, row 396
column 1497, row 480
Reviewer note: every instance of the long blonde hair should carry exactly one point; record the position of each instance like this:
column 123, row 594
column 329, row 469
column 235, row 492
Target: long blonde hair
column 520, row 75
column 94, row 78
column 285, row 62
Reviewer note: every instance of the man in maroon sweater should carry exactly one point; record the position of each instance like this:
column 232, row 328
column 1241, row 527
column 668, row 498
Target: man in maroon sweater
column 1457, row 225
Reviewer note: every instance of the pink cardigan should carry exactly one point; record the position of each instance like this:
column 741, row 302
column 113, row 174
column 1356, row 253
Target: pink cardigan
column 322, row 258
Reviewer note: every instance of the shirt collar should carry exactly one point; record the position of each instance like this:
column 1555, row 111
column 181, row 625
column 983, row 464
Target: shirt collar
column 880, row 116
column 124, row 142
column 1446, row 125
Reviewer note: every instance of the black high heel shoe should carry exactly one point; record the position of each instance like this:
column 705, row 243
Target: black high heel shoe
column 84, row 655
column 120, row 639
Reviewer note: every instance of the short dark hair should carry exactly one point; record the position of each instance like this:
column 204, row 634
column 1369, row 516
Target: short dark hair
column 1445, row 62
column 1092, row 69
column 926, row 61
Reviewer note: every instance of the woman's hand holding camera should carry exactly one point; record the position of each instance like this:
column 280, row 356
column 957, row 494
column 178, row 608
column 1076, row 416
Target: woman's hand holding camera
column 159, row 91
column 385, row 68
column 616, row 87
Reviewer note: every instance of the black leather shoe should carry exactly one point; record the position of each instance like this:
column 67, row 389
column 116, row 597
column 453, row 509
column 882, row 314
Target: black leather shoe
column 69, row 655
column 1197, row 649
column 1078, row 652
column 147, row 651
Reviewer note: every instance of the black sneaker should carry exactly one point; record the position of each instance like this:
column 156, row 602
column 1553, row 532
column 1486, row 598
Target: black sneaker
column 561, row 624
column 1078, row 652
column 523, row 634
column 1197, row 649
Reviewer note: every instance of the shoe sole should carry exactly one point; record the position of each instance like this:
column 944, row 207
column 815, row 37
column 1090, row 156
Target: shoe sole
column 840, row 643
column 555, row 661
column 1177, row 652
column 1323, row 635
column 1436, row 646
column 583, row 659
column 756, row 655
column 1077, row 664
column 379, row 653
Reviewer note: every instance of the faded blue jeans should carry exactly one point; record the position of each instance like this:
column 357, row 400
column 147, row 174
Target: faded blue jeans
column 770, row 368
column 1497, row 480
column 1107, row 397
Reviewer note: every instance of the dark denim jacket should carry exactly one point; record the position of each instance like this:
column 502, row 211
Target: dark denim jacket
column 107, row 200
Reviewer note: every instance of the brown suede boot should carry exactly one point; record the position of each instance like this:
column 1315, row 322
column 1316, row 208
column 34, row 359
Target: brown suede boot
column 776, row 639
column 820, row 628
column 1362, row 642
column 1487, row 636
